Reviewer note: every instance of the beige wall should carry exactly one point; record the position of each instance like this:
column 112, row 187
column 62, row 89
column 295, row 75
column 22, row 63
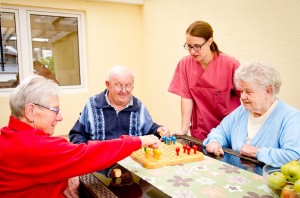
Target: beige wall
column 266, row 30
column 149, row 38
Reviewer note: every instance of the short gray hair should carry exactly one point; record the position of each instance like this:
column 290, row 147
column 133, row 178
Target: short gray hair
column 34, row 89
column 263, row 74
column 119, row 69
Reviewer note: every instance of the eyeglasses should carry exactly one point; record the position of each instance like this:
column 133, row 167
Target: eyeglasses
column 55, row 110
column 196, row 47
column 121, row 87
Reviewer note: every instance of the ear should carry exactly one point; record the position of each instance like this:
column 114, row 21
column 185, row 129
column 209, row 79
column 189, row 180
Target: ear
column 269, row 90
column 211, row 40
column 107, row 84
column 29, row 111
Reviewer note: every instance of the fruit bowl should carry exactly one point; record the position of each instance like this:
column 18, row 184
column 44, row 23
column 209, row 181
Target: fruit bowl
column 277, row 183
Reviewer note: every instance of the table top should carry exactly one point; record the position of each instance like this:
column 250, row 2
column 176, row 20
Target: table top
column 224, row 176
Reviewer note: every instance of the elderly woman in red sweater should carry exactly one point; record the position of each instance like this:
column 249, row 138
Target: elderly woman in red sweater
column 34, row 164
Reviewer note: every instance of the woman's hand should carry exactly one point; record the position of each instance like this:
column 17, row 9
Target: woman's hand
column 214, row 147
column 72, row 189
column 249, row 150
column 150, row 140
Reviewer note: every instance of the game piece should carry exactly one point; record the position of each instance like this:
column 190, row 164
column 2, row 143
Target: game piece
column 188, row 148
column 168, row 140
column 166, row 155
column 155, row 151
column 158, row 154
column 195, row 148
column 173, row 139
column 147, row 152
column 116, row 172
column 184, row 148
column 164, row 139
column 177, row 151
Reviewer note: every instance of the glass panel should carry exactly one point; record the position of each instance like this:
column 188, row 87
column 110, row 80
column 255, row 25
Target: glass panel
column 9, row 72
column 55, row 48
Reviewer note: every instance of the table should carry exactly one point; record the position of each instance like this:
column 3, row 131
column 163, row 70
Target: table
column 211, row 177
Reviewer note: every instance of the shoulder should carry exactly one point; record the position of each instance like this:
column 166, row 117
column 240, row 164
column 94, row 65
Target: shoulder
column 97, row 100
column 227, row 58
column 137, row 104
column 186, row 60
column 288, row 110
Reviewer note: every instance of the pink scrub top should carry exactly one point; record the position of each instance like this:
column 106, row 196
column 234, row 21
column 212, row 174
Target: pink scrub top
column 212, row 91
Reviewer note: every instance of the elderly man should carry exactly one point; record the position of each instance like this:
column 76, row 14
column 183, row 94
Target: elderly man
column 115, row 112
column 263, row 127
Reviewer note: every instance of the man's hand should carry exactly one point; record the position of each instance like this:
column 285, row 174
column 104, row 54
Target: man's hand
column 215, row 147
column 72, row 189
column 163, row 131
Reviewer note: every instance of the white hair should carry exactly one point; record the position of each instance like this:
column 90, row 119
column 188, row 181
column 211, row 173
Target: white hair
column 34, row 89
column 263, row 74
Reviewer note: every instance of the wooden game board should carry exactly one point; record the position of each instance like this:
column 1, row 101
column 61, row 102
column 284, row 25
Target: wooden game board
column 168, row 156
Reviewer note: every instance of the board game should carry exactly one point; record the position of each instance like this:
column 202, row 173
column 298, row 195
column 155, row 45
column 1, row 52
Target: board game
column 168, row 154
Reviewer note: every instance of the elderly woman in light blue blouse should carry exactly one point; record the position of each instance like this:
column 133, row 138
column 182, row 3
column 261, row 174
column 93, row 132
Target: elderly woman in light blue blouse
column 263, row 127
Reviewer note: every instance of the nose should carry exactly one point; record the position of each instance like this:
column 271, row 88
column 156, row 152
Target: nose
column 59, row 116
column 192, row 50
column 243, row 95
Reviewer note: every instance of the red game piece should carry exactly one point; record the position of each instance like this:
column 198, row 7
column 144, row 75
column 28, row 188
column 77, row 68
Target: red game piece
column 195, row 148
column 177, row 151
column 184, row 148
column 188, row 149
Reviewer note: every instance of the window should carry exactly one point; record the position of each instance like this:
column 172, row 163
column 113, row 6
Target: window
column 47, row 43
column 9, row 74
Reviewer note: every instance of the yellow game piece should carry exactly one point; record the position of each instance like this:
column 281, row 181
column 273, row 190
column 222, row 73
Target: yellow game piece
column 158, row 153
column 147, row 153
column 154, row 152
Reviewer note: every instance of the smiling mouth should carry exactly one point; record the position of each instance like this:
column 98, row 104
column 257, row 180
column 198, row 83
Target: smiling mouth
column 246, row 102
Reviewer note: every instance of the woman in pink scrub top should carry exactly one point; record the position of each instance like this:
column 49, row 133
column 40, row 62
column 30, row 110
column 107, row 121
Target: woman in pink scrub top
column 204, row 80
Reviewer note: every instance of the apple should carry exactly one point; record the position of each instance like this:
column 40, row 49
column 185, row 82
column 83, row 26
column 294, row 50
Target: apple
column 297, row 186
column 277, row 179
column 293, row 173
column 286, row 166
column 291, row 170
column 288, row 192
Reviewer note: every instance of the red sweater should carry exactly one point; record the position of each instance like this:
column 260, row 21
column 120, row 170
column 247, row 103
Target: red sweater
column 34, row 164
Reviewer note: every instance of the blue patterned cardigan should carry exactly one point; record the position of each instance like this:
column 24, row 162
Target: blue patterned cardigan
column 100, row 121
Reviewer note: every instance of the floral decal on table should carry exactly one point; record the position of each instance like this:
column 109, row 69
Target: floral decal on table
column 205, row 181
column 183, row 194
column 233, row 188
column 230, row 169
column 239, row 180
column 179, row 181
column 255, row 195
